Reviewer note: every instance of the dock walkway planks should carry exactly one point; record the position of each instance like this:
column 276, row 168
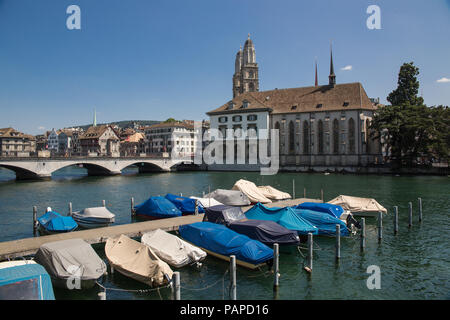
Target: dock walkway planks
column 28, row 246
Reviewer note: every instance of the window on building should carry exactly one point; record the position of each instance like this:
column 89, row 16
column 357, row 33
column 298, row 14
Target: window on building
column 291, row 137
column 351, row 136
column 336, row 136
column 252, row 117
column 320, row 136
column 223, row 119
column 237, row 118
column 305, row 137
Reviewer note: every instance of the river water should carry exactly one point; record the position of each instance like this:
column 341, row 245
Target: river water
column 414, row 264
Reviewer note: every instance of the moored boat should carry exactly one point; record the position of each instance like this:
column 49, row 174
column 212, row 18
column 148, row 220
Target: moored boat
column 157, row 208
column 359, row 206
column 137, row 261
column 184, row 204
column 171, row 249
column 93, row 217
column 24, row 280
column 52, row 222
column 71, row 264
column 221, row 242
column 229, row 197
column 324, row 222
column 251, row 191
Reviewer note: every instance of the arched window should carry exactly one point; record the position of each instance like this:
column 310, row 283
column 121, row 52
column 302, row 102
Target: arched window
column 320, row 136
column 336, row 136
column 251, row 87
column 277, row 126
column 351, row 136
column 305, row 137
column 291, row 138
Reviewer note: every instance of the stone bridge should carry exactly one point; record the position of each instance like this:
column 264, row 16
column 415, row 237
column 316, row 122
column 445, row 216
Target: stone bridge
column 42, row 168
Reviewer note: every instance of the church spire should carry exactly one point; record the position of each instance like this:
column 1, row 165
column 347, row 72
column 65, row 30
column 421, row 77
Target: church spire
column 316, row 82
column 95, row 118
column 332, row 76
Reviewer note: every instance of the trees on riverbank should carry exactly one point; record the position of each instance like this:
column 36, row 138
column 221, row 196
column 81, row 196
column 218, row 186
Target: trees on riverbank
column 411, row 132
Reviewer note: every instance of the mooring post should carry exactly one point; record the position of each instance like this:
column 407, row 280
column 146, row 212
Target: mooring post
column 410, row 214
column 233, row 277
column 104, row 203
column 304, row 192
column 363, row 233
column 395, row 219
column 309, row 260
column 321, row 194
column 35, row 223
column 181, row 194
column 132, row 206
column 203, row 194
column 276, row 264
column 102, row 295
column 196, row 207
column 293, row 189
column 380, row 226
column 70, row 209
column 176, row 286
column 338, row 241
column 420, row 209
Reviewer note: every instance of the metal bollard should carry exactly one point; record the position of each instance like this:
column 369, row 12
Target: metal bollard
column 338, row 241
column 70, row 209
column 309, row 260
column 276, row 264
column 233, row 277
column 304, row 192
column 420, row 209
column 293, row 189
column 35, row 222
column 196, row 207
column 176, row 294
column 102, row 295
column 104, row 203
column 321, row 194
column 363, row 233
column 132, row 207
column 380, row 226
column 410, row 214
column 395, row 219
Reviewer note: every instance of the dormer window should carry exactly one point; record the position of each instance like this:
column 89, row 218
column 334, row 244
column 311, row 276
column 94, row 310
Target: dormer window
column 346, row 103
column 293, row 107
column 245, row 104
column 230, row 105
column 319, row 106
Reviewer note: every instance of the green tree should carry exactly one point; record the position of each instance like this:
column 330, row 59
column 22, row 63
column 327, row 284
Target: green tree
column 408, row 87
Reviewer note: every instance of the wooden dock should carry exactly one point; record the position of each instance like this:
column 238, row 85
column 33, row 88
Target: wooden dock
column 29, row 246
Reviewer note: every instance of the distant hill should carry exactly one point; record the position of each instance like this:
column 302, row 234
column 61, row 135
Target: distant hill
column 124, row 124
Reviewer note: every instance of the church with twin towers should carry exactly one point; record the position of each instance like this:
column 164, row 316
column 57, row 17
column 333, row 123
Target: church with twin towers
column 321, row 127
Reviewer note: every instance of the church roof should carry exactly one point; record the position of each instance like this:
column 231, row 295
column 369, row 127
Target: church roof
column 346, row 96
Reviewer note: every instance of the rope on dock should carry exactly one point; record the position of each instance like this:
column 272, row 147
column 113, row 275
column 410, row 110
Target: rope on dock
column 133, row 290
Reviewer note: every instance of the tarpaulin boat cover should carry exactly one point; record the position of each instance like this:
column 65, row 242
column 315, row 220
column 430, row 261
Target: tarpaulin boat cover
column 171, row 249
column 266, row 231
column 229, row 197
column 158, row 207
column 25, row 281
column 273, row 194
column 207, row 202
column 325, row 222
column 332, row 209
column 137, row 261
column 223, row 214
column 54, row 222
column 66, row 258
column 357, row 204
column 94, row 214
column 222, row 240
column 284, row 216
column 184, row 204
column 251, row 191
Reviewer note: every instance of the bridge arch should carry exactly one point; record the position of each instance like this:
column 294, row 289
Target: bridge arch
column 143, row 166
column 24, row 173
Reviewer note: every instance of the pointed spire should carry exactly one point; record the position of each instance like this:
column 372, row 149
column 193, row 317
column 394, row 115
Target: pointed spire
column 95, row 118
column 332, row 76
column 316, row 83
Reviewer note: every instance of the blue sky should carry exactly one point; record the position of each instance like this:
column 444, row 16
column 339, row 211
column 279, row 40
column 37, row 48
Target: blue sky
column 155, row 59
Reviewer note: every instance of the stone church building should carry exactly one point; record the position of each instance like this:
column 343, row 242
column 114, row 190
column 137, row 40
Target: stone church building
column 321, row 127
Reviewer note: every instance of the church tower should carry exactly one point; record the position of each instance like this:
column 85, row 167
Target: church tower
column 332, row 76
column 246, row 77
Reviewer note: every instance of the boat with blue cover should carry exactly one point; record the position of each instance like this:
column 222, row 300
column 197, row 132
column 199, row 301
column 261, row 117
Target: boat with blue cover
column 157, row 208
column 184, row 204
column 285, row 216
column 24, row 280
column 52, row 222
column 265, row 231
column 325, row 222
column 219, row 241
